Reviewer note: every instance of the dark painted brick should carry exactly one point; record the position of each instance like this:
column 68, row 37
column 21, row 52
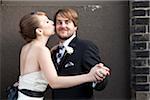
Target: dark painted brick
column 139, row 62
column 141, row 87
column 140, row 37
column 140, row 4
column 138, row 29
column 140, row 21
column 144, row 70
column 148, row 28
column 140, row 54
column 139, row 13
column 148, row 12
column 136, row 79
column 139, row 46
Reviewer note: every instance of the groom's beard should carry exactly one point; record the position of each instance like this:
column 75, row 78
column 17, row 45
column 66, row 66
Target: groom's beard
column 63, row 38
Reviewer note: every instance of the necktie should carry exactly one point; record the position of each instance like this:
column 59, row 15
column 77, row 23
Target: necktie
column 60, row 53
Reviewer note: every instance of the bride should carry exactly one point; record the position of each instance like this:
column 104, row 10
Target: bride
column 36, row 67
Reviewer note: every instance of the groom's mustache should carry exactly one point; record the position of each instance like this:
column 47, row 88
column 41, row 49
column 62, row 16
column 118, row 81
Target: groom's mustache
column 63, row 29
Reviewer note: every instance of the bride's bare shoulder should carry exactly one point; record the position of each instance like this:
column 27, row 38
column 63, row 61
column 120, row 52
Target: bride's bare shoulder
column 43, row 49
column 25, row 47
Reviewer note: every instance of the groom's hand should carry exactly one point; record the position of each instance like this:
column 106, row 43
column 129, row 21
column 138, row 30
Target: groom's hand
column 103, row 71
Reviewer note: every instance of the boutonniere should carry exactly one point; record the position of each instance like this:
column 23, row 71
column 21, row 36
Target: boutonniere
column 69, row 50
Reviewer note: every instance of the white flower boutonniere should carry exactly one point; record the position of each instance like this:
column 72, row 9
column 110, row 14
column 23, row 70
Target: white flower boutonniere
column 69, row 50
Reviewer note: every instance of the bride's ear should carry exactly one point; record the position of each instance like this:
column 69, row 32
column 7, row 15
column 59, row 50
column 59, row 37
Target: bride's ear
column 39, row 31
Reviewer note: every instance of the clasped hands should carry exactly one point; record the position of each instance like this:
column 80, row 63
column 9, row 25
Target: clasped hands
column 99, row 72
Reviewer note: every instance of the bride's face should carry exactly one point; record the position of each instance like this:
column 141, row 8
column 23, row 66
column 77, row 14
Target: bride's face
column 46, row 25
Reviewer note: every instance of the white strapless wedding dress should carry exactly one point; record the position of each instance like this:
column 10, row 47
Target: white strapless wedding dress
column 34, row 81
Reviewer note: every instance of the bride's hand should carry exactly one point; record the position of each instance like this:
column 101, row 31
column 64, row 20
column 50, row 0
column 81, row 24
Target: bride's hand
column 99, row 72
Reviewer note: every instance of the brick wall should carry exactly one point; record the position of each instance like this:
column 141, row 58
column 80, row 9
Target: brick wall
column 140, row 49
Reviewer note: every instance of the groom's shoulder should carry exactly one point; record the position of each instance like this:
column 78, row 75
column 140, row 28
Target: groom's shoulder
column 85, row 42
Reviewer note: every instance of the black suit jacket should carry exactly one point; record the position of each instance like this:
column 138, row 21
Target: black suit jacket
column 83, row 58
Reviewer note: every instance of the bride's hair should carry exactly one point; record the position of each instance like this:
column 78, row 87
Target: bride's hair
column 28, row 24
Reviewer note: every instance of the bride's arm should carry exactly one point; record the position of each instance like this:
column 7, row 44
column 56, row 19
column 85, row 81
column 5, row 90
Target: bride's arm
column 56, row 81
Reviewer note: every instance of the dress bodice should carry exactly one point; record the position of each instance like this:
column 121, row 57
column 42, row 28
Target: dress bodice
column 33, row 81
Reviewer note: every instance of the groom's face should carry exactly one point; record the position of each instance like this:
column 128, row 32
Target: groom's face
column 65, row 27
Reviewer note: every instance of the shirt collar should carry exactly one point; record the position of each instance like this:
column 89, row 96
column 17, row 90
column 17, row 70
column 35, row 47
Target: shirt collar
column 66, row 42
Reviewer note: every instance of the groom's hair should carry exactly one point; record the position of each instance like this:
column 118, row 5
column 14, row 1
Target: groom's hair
column 28, row 25
column 69, row 13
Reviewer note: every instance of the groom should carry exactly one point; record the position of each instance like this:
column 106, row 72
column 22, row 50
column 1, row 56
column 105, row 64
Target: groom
column 74, row 56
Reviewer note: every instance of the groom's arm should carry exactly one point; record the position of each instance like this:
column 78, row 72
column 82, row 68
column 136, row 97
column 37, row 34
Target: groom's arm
column 90, row 58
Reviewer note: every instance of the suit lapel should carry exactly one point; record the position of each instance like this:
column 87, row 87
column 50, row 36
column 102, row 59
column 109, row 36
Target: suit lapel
column 73, row 42
column 66, row 55
column 54, row 58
